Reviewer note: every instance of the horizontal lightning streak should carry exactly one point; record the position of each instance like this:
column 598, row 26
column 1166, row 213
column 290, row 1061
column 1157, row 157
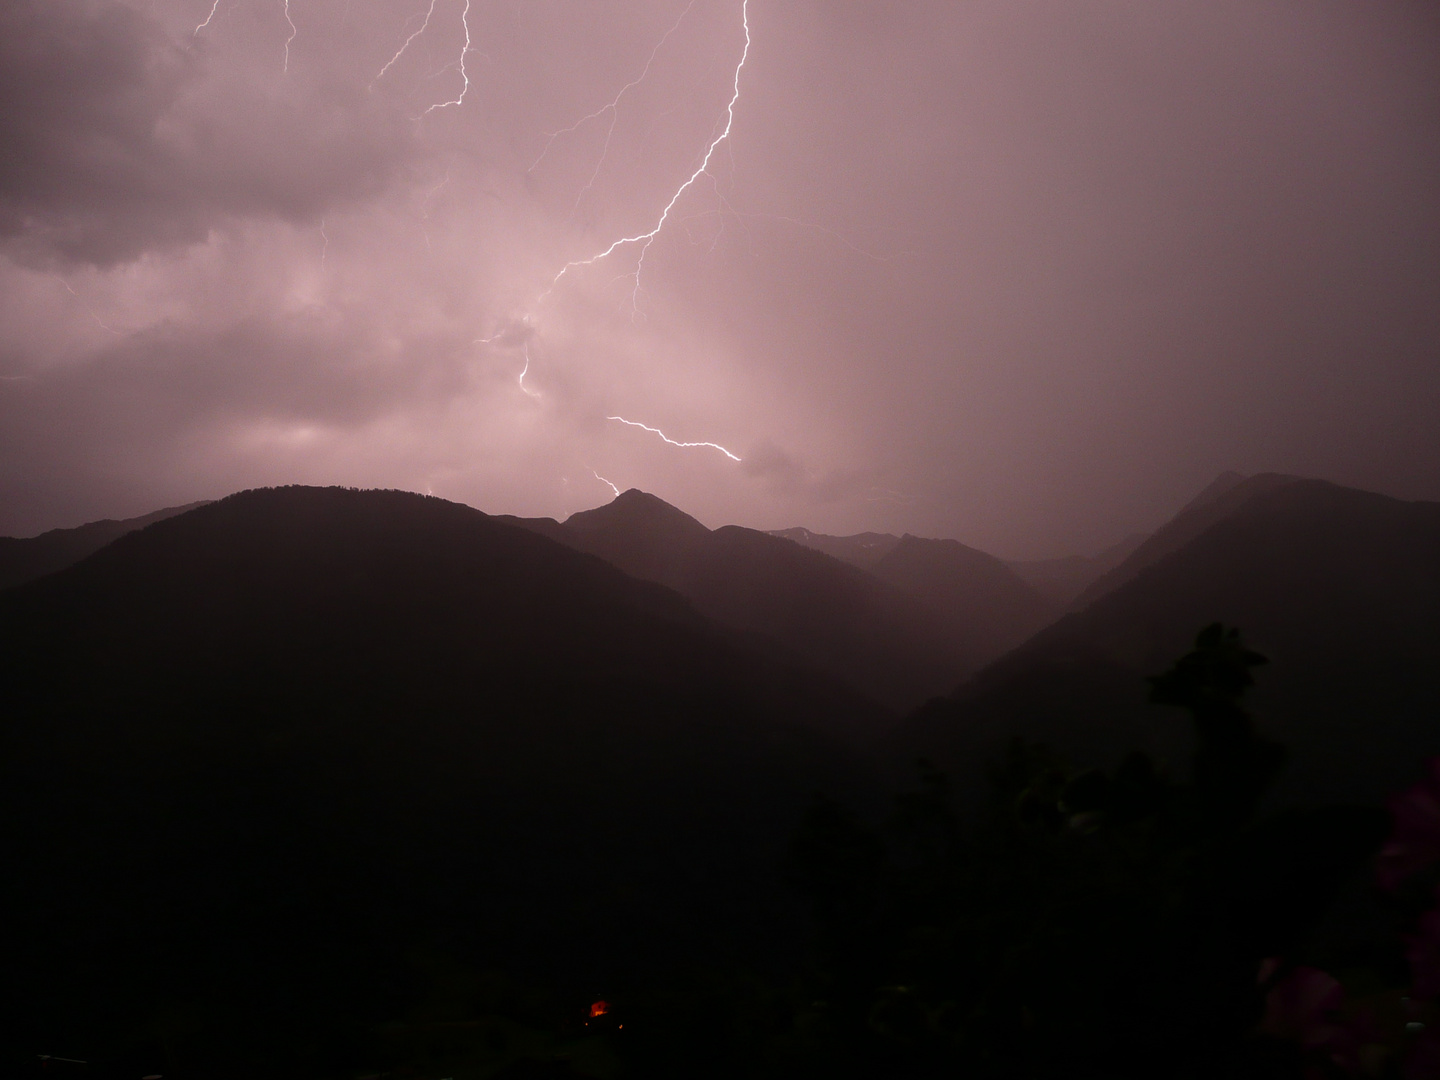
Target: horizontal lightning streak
column 672, row 442
column 645, row 239
column 400, row 51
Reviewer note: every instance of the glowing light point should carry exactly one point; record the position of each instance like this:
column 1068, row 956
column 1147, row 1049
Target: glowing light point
column 672, row 442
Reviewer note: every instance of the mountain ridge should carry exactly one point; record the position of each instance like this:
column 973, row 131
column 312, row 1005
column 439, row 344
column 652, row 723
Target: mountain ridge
column 1339, row 588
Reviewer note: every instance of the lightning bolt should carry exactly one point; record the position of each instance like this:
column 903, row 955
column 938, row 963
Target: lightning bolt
column 645, row 239
column 613, row 108
column 213, row 8
column 86, row 304
column 597, row 476
column 425, row 207
column 533, row 393
column 291, row 38
column 400, row 51
column 324, row 248
column 465, row 22
column 672, row 442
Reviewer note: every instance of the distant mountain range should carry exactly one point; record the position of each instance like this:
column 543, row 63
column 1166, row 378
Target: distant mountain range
column 928, row 614
column 35, row 556
column 1058, row 581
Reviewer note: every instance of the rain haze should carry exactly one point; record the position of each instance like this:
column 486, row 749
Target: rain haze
column 1028, row 276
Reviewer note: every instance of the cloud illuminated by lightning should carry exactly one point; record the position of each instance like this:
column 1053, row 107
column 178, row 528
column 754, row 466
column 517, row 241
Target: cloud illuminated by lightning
column 645, row 239
column 613, row 108
column 672, row 442
column 465, row 22
column 754, row 215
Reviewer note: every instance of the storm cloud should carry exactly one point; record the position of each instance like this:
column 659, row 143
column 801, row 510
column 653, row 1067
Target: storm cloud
column 1025, row 275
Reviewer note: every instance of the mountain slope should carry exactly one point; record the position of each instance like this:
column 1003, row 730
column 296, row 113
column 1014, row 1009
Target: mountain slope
column 1221, row 497
column 32, row 557
column 1062, row 580
column 1340, row 588
column 999, row 609
column 840, row 619
column 257, row 755
column 1058, row 581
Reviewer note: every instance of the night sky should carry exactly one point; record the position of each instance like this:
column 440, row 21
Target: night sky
column 1026, row 275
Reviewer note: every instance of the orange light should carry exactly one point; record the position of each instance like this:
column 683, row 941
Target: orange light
column 599, row 1008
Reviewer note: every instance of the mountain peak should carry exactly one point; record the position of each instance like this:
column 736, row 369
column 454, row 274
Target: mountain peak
column 636, row 509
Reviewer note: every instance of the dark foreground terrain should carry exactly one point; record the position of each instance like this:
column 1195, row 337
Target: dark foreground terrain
column 329, row 783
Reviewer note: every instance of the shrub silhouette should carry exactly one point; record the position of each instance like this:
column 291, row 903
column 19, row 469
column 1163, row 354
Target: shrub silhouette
column 1086, row 923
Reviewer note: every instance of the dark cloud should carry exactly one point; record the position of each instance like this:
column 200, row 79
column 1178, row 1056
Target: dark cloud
column 119, row 139
column 1025, row 275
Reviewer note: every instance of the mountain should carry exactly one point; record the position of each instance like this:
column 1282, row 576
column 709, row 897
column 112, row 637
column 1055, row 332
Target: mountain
column 999, row 609
column 1219, row 499
column 862, row 549
column 1062, row 580
column 834, row 616
column 1058, row 581
column 270, row 764
column 35, row 556
column 1339, row 588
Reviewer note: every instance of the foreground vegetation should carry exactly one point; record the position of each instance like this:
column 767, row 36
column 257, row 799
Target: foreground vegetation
column 1129, row 923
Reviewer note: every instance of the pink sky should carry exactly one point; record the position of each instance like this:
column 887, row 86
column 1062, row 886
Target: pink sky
column 1027, row 275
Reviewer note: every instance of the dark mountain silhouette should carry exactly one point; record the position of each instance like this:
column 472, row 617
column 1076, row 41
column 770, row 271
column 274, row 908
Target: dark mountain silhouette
column 840, row 619
column 1222, row 496
column 1062, row 580
column 999, row 610
column 259, row 757
column 32, row 557
column 1339, row 588
column 862, row 549
column 1057, row 580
